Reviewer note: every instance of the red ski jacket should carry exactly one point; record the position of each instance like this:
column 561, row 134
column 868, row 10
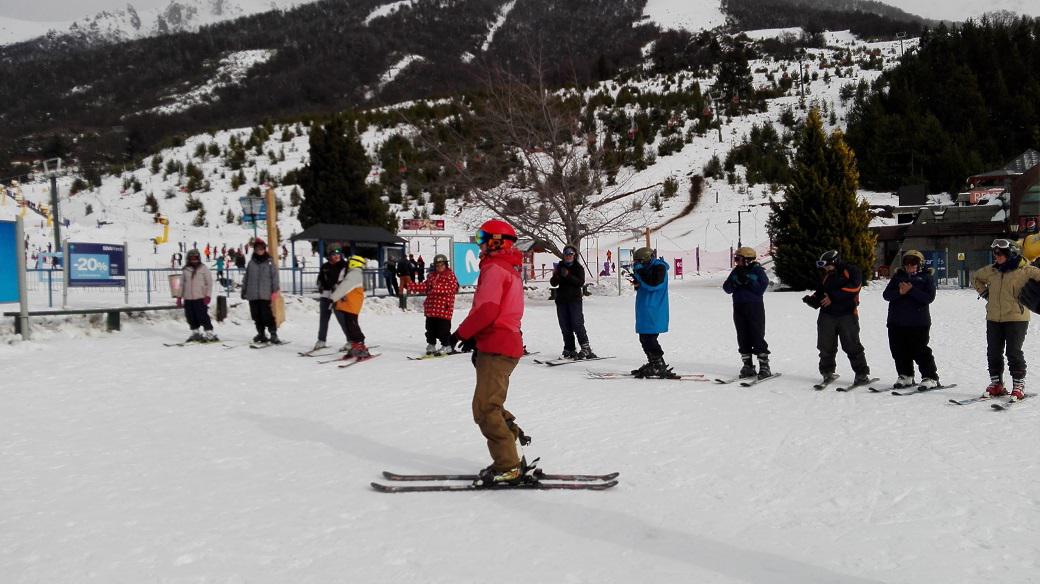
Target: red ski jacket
column 498, row 306
column 440, row 289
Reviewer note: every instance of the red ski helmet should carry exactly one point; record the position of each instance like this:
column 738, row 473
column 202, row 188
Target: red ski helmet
column 497, row 234
column 259, row 241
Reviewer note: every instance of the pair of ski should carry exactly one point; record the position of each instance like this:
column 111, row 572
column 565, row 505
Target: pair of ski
column 834, row 378
column 745, row 381
column 538, row 480
column 911, row 390
column 1005, row 405
column 190, row 343
column 428, row 356
column 630, row 375
column 564, row 361
column 267, row 345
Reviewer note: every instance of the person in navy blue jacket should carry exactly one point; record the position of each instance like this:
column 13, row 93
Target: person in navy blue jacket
column 747, row 283
column 650, row 278
column 909, row 293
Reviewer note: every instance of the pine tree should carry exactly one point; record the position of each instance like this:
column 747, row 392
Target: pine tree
column 821, row 211
column 333, row 182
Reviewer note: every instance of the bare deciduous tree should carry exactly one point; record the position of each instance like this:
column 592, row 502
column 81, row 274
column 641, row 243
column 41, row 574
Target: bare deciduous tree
column 521, row 153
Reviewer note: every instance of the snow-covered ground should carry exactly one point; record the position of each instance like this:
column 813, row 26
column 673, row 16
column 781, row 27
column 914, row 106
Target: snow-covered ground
column 692, row 15
column 124, row 461
column 233, row 68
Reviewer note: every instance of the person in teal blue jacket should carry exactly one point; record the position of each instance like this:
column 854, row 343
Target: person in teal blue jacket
column 650, row 278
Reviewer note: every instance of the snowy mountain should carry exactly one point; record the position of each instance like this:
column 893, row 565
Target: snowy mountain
column 130, row 23
column 116, row 211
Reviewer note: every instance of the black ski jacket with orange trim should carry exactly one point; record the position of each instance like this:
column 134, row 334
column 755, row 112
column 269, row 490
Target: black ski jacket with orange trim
column 842, row 286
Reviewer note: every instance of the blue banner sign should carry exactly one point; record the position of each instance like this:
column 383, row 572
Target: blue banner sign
column 467, row 263
column 8, row 262
column 97, row 264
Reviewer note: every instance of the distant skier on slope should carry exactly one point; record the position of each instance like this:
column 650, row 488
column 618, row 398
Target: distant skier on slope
column 259, row 285
column 909, row 292
column 837, row 298
column 492, row 328
column 1007, row 320
column 440, row 289
column 569, row 279
column 349, row 296
column 747, row 283
column 329, row 275
column 196, row 290
column 650, row 279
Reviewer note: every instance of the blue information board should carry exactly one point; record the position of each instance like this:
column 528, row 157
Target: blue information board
column 936, row 261
column 97, row 264
column 467, row 263
column 8, row 262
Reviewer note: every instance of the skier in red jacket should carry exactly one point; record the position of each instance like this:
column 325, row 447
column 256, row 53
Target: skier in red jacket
column 493, row 329
column 440, row 289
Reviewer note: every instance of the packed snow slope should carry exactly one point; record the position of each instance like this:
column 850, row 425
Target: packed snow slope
column 125, row 461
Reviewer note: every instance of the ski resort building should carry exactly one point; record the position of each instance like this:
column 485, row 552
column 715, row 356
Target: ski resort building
column 955, row 236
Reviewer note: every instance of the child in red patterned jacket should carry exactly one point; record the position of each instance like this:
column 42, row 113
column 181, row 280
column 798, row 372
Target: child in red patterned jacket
column 440, row 289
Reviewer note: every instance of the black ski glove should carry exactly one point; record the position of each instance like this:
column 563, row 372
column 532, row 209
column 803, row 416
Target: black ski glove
column 464, row 345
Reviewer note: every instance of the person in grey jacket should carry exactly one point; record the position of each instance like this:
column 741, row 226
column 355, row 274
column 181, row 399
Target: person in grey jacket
column 196, row 289
column 258, row 286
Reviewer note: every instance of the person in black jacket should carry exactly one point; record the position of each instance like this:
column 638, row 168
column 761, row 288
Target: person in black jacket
column 837, row 298
column 747, row 283
column 909, row 293
column 329, row 275
column 569, row 278
column 390, row 275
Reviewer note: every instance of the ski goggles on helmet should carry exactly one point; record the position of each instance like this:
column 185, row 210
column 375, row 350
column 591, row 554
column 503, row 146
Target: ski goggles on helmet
column 483, row 237
column 1001, row 244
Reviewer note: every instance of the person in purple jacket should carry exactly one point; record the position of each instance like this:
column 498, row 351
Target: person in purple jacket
column 747, row 283
column 909, row 293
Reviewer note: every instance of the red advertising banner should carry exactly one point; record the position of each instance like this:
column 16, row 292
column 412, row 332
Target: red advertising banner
column 419, row 224
column 677, row 266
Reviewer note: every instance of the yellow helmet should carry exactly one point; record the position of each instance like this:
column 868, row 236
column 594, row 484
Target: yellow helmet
column 746, row 252
column 1031, row 246
column 356, row 261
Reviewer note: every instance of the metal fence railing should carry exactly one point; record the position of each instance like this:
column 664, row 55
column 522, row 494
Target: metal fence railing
column 152, row 285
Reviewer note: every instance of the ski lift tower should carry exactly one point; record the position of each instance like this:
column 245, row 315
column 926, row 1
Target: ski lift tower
column 52, row 170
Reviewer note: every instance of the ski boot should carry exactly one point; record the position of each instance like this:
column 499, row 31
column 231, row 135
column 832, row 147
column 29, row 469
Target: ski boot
column 359, row 351
column 661, row 369
column 569, row 354
column 748, row 370
column 431, row 349
column 861, row 379
column 929, row 383
column 643, row 371
column 319, row 346
column 763, row 366
column 210, row 337
column 1018, row 389
column 586, row 352
column 904, row 381
column 274, row 339
column 196, row 337
column 261, row 338
column 996, row 389
column 489, row 478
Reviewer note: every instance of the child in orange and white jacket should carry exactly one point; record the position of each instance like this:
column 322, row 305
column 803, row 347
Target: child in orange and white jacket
column 349, row 296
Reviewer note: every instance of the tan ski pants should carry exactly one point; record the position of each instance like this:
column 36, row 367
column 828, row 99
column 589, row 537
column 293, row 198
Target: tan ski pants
column 489, row 412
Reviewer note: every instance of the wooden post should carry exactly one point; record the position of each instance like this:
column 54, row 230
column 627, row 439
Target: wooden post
column 272, row 226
